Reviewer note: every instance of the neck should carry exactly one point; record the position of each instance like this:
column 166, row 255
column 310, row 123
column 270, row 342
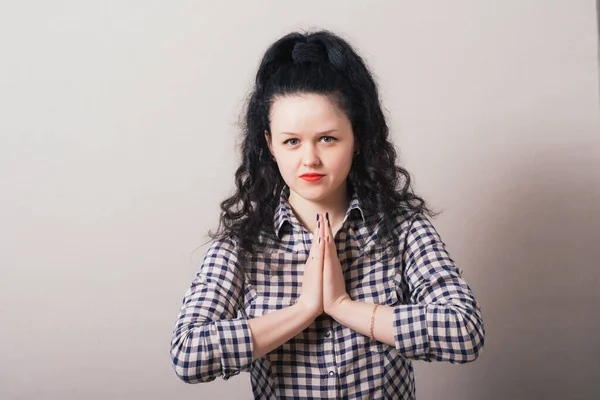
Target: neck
column 335, row 204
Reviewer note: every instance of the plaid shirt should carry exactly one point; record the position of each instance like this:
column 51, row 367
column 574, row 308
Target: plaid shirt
column 436, row 316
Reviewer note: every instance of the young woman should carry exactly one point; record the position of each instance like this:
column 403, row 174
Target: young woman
column 326, row 277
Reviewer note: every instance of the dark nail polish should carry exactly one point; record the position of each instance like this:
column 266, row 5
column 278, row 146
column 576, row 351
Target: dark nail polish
column 319, row 224
column 327, row 216
column 329, row 223
column 317, row 217
column 319, row 239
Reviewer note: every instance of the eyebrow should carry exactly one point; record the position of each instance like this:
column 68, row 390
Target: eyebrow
column 318, row 133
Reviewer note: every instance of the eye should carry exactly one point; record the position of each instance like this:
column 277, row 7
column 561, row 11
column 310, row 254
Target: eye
column 289, row 141
column 328, row 139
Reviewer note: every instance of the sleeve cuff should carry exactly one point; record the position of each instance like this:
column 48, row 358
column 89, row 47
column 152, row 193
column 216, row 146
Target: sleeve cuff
column 235, row 341
column 410, row 331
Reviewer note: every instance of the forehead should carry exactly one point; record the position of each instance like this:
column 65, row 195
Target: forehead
column 306, row 113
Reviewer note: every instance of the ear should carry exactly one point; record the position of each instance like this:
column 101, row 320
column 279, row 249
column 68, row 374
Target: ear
column 270, row 144
column 356, row 147
column 268, row 140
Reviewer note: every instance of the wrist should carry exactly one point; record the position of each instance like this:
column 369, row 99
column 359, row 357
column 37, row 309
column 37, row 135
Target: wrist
column 340, row 308
column 305, row 312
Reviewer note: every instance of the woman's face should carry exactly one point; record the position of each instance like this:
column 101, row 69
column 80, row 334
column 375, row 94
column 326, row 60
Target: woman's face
column 311, row 136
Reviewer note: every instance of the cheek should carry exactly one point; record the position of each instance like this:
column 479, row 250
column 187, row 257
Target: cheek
column 343, row 160
column 344, row 167
column 285, row 166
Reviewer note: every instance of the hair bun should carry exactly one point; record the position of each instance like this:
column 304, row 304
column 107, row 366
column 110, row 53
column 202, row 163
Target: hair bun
column 312, row 52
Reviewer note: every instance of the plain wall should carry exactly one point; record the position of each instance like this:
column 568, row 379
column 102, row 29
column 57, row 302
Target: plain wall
column 117, row 143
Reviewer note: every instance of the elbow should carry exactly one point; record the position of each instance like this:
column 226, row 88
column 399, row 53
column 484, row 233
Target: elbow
column 472, row 354
column 473, row 339
column 191, row 372
column 193, row 378
column 478, row 345
column 191, row 367
column 184, row 375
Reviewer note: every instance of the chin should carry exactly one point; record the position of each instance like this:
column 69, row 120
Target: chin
column 312, row 194
column 315, row 198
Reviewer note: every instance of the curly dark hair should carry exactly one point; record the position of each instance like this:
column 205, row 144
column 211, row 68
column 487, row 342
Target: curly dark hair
column 321, row 63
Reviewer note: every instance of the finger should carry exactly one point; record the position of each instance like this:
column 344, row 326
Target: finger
column 328, row 229
column 330, row 250
column 313, row 246
column 322, row 235
column 321, row 238
column 317, row 240
column 326, row 249
column 317, row 237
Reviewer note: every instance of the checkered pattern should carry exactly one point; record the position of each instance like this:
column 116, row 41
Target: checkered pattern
column 436, row 317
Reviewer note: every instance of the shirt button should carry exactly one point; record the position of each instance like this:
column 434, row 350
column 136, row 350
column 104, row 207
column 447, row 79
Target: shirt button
column 331, row 373
column 328, row 333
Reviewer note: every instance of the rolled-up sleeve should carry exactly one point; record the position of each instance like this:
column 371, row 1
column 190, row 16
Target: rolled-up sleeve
column 442, row 321
column 209, row 340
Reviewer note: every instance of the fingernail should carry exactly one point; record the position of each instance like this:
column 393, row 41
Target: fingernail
column 317, row 217
column 327, row 216
column 319, row 225
column 319, row 239
column 329, row 223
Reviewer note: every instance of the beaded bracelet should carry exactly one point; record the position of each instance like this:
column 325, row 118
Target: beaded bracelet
column 373, row 321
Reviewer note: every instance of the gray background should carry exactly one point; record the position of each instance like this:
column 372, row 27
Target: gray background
column 117, row 143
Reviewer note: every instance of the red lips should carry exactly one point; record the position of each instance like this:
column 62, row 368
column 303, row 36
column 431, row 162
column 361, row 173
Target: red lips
column 311, row 177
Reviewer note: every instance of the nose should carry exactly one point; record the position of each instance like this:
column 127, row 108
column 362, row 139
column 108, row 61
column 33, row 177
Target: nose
column 310, row 156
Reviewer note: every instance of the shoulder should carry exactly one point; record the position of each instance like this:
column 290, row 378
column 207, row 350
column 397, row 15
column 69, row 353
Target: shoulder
column 406, row 221
column 414, row 229
column 222, row 257
column 222, row 247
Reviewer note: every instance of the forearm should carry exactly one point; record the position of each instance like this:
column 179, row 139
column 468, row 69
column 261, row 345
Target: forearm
column 272, row 330
column 356, row 315
column 203, row 351
column 442, row 332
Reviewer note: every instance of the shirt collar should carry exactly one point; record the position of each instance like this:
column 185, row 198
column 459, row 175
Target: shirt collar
column 284, row 213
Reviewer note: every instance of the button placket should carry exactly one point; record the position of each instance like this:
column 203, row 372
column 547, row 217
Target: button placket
column 329, row 371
